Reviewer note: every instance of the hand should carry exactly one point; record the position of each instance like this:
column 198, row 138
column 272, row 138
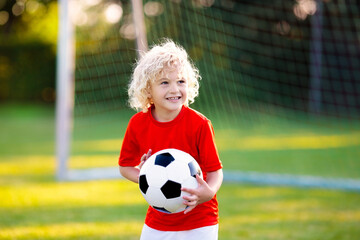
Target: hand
column 144, row 158
column 201, row 194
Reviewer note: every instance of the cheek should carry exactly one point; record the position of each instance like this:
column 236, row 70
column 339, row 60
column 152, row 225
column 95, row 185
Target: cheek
column 157, row 92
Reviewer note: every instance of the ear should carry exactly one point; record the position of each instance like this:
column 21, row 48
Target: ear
column 149, row 96
column 147, row 91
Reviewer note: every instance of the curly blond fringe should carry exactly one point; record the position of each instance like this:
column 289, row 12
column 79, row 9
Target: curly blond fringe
column 150, row 65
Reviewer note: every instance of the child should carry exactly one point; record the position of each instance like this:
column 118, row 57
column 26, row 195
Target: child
column 163, row 84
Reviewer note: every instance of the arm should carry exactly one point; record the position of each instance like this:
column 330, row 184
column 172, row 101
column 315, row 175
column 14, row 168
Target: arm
column 132, row 173
column 205, row 190
column 214, row 180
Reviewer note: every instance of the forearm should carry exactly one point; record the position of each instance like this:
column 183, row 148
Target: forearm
column 214, row 180
column 130, row 173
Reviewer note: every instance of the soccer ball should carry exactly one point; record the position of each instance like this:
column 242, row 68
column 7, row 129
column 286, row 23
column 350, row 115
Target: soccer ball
column 163, row 175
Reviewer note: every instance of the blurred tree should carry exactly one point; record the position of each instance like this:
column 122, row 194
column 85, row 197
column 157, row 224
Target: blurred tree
column 28, row 36
column 28, row 20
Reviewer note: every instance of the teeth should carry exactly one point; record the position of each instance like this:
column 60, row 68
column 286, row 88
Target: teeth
column 173, row 98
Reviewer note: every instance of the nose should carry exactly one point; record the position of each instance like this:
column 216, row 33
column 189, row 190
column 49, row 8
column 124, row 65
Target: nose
column 174, row 88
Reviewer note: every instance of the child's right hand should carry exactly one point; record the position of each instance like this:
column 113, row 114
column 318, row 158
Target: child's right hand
column 144, row 158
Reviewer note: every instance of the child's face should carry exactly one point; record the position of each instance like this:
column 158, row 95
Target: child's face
column 169, row 93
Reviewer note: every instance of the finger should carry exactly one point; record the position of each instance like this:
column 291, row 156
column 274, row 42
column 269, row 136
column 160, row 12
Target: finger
column 190, row 198
column 189, row 209
column 190, row 203
column 199, row 179
column 142, row 160
column 188, row 190
column 148, row 154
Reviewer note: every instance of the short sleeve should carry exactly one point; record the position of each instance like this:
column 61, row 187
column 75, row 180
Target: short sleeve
column 207, row 148
column 130, row 149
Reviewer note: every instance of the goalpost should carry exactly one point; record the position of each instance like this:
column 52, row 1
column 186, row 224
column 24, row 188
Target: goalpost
column 263, row 63
column 65, row 90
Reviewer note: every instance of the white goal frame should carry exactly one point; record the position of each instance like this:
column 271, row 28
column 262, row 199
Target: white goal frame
column 64, row 88
column 65, row 91
column 65, row 105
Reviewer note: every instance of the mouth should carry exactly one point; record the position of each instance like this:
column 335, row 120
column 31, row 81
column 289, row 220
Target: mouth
column 173, row 98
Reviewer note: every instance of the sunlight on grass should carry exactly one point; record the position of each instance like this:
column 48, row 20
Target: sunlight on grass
column 98, row 145
column 92, row 161
column 115, row 209
column 295, row 216
column 228, row 140
column 35, row 206
column 74, row 230
column 99, row 193
column 32, row 164
column 69, row 210
column 285, row 213
column 39, row 165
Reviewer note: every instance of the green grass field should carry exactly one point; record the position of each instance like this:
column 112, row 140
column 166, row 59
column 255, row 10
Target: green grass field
column 35, row 206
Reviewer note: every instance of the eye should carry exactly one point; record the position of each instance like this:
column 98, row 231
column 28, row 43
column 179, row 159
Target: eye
column 182, row 81
column 163, row 82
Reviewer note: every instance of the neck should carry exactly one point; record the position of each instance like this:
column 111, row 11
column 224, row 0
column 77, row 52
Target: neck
column 162, row 116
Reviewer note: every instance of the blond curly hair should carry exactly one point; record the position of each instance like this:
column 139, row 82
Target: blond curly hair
column 150, row 66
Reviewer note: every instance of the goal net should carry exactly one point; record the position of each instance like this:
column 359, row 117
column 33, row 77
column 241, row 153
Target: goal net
column 280, row 82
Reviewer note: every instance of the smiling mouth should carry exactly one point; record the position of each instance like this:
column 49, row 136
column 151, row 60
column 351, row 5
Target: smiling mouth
column 173, row 98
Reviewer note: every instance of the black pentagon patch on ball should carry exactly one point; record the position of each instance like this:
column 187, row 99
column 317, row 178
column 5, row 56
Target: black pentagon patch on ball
column 143, row 184
column 164, row 159
column 161, row 209
column 193, row 169
column 171, row 189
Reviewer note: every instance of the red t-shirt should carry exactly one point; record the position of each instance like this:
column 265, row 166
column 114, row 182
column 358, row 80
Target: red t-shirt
column 190, row 132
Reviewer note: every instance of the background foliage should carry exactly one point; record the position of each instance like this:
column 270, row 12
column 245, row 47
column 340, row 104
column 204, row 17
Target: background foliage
column 28, row 36
column 268, row 49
